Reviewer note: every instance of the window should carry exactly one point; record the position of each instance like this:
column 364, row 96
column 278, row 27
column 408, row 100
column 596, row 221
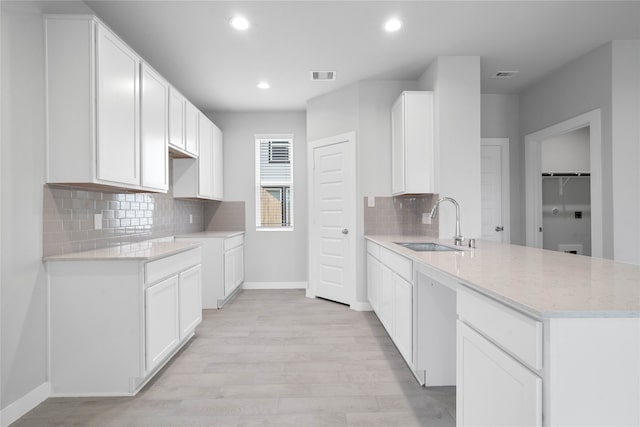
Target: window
column 274, row 182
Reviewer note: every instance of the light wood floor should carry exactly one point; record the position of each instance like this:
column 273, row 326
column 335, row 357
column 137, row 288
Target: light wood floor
column 272, row 358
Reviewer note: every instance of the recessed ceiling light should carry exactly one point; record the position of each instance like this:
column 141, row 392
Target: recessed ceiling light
column 392, row 25
column 263, row 85
column 239, row 23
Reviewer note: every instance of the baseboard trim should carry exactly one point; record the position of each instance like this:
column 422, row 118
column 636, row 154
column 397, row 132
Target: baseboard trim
column 361, row 306
column 26, row 403
column 274, row 285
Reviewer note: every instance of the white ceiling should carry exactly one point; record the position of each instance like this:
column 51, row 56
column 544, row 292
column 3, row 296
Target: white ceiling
column 217, row 67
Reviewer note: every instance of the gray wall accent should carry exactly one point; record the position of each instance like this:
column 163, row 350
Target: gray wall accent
column 23, row 312
column 499, row 119
column 270, row 256
column 400, row 215
column 225, row 216
column 581, row 86
column 68, row 224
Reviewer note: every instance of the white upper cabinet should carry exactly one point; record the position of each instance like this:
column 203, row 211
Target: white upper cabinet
column 183, row 126
column 118, row 83
column 412, row 144
column 154, row 124
column 94, row 110
column 201, row 178
column 205, row 158
column 177, row 117
column 217, row 163
column 191, row 129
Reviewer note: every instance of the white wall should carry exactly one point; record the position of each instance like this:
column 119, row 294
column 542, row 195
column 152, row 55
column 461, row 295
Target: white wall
column 567, row 153
column 625, row 139
column 579, row 87
column 455, row 81
column 500, row 119
column 23, row 313
column 270, row 256
column 333, row 114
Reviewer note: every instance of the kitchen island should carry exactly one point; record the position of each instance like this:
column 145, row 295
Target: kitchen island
column 529, row 336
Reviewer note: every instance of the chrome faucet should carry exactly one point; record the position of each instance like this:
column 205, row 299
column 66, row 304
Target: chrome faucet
column 457, row 239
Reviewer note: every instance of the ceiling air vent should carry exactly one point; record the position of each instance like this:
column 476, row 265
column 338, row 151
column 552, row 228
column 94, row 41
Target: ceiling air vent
column 504, row 74
column 323, row 75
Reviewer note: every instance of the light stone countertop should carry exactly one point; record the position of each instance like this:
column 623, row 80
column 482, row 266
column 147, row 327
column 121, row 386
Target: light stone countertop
column 209, row 234
column 142, row 251
column 540, row 282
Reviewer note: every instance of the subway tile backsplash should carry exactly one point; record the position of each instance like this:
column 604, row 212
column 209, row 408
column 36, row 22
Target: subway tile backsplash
column 400, row 215
column 224, row 216
column 126, row 217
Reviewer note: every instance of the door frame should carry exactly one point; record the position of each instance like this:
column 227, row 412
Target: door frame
column 349, row 139
column 533, row 174
column 506, row 188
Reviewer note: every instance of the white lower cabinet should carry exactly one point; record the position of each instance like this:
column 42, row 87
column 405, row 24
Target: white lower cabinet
column 190, row 297
column 162, row 316
column 391, row 296
column 493, row 388
column 233, row 269
column 403, row 317
column 115, row 322
column 223, row 266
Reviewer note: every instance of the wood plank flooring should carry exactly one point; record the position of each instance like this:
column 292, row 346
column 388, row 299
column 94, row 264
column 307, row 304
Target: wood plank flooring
column 272, row 358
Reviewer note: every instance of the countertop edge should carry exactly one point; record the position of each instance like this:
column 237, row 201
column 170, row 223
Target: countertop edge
column 75, row 256
column 521, row 307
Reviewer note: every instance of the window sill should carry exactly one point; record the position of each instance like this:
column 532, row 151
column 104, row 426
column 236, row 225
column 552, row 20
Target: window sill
column 274, row 229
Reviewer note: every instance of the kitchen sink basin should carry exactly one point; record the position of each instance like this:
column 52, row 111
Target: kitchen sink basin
column 427, row 247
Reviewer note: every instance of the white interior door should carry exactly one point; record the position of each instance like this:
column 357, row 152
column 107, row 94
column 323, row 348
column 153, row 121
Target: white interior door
column 495, row 197
column 332, row 231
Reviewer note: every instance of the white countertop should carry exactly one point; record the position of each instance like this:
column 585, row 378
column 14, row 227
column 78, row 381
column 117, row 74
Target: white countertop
column 541, row 282
column 142, row 251
column 209, row 234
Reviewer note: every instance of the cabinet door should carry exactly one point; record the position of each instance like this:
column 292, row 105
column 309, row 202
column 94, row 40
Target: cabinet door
column 403, row 317
column 118, row 84
column 373, row 281
column 386, row 298
column 205, row 137
column 492, row 388
column 177, row 116
column 162, row 321
column 190, row 300
column 239, row 266
column 154, row 124
column 191, row 114
column 217, row 164
column 233, row 269
column 398, row 177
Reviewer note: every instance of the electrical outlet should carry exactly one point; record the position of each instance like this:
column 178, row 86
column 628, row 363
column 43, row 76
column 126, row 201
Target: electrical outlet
column 426, row 218
column 190, row 218
column 97, row 221
column 371, row 201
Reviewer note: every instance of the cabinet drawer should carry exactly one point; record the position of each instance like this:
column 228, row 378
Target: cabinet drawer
column 164, row 267
column 401, row 265
column 234, row 241
column 518, row 334
column 373, row 249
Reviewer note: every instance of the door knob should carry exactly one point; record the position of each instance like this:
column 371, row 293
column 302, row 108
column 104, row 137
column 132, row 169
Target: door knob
column 499, row 228
column 345, row 231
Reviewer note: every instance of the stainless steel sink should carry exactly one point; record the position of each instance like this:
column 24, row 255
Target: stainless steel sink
column 427, row 247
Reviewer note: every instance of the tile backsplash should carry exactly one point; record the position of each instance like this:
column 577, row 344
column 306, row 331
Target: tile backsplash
column 400, row 215
column 224, row 216
column 126, row 217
